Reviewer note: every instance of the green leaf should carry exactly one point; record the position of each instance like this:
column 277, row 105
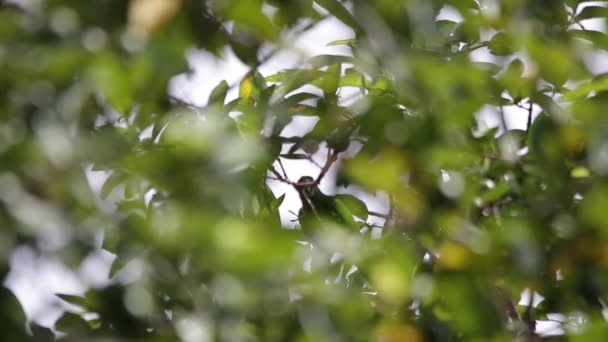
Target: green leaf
column 297, row 98
column 11, row 308
column 325, row 60
column 337, row 9
column 42, row 334
column 487, row 66
column 291, row 80
column 342, row 42
column 501, row 44
column 354, row 205
column 331, row 81
column 295, row 78
column 115, row 179
column 117, row 265
column 345, row 212
column 590, row 12
column 583, row 90
column 252, row 86
column 276, row 203
column 352, row 78
column 111, row 79
column 446, row 27
column 218, row 94
column 73, row 299
column 543, row 139
column 497, row 192
column 599, row 39
column 72, row 323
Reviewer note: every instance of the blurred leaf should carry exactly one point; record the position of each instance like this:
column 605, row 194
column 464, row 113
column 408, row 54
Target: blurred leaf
column 115, row 179
column 599, row 39
column 501, row 44
column 355, row 206
column 342, row 42
column 337, row 9
column 320, row 61
column 41, row 333
column 12, row 316
column 294, row 78
column 112, row 79
column 73, row 299
column 218, row 94
column 597, row 85
column 331, row 80
column 72, row 323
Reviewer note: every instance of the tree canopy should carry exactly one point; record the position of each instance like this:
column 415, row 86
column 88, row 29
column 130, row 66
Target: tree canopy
column 480, row 123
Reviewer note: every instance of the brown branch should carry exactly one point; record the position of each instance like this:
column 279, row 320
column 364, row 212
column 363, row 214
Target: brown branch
column 373, row 213
column 331, row 158
column 282, row 168
column 310, row 159
column 185, row 103
column 279, row 177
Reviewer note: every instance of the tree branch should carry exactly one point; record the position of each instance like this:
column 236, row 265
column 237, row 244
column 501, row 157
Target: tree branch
column 331, row 158
column 503, row 120
column 377, row 214
column 529, row 122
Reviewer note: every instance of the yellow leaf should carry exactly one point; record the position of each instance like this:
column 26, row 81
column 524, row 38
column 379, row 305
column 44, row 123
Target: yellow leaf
column 246, row 87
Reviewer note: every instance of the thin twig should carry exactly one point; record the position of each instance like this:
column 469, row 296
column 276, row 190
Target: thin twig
column 331, row 158
column 279, row 177
column 581, row 26
column 473, row 47
column 185, row 103
column 282, row 168
column 529, row 122
column 313, row 161
column 503, row 120
column 377, row 214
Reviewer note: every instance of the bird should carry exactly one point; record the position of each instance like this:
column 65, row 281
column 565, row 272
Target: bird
column 318, row 209
column 317, row 206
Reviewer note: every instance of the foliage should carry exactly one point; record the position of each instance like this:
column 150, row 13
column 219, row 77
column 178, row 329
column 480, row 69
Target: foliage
column 476, row 215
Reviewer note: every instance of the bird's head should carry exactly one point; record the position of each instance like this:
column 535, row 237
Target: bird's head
column 306, row 186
